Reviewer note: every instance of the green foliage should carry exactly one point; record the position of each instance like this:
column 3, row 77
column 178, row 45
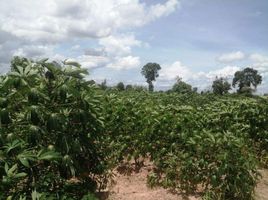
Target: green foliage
column 220, row 86
column 50, row 130
column 245, row 79
column 181, row 87
column 120, row 86
column 193, row 140
column 221, row 164
column 129, row 87
column 150, row 72
column 139, row 88
column 103, row 85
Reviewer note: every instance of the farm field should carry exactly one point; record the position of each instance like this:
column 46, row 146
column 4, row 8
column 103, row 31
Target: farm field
column 62, row 137
column 133, row 100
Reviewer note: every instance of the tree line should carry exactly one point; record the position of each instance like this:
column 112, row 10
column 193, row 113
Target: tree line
column 247, row 81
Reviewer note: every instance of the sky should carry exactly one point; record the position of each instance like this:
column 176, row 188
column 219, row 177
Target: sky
column 196, row 40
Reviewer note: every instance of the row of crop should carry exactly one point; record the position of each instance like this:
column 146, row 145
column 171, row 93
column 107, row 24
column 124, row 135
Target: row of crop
column 212, row 146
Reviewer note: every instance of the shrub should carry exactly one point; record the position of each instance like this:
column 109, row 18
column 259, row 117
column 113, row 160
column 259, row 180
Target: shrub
column 50, row 130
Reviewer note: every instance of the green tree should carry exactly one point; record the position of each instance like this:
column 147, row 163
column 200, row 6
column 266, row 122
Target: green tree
column 220, row 86
column 103, row 85
column 139, row 88
column 91, row 82
column 120, row 86
column 150, row 72
column 246, row 79
column 182, row 87
column 129, row 87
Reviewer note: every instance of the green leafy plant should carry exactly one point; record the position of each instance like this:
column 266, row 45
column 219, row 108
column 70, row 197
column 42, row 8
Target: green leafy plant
column 50, row 129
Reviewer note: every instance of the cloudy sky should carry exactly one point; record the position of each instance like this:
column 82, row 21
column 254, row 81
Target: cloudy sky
column 194, row 39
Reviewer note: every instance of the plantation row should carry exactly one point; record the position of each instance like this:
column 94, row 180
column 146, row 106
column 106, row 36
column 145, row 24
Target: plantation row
column 60, row 136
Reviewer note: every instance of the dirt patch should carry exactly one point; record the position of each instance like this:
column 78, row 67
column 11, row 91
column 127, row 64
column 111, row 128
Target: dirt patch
column 262, row 187
column 130, row 184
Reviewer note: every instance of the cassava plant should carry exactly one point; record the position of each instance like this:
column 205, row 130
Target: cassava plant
column 50, row 130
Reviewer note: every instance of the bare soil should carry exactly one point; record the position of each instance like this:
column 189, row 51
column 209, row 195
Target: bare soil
column 262, row 187
column 131, row 184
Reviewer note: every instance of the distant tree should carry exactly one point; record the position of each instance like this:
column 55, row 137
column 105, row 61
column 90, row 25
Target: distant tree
column 139, row 88
column 220, row 86
column 245, row 79
column 129, row 87
column 103, row 85
column 91, row 82
column 206, row 91
column 150, row 72
column 182, row 87
column 195, row 89
column 120, row 86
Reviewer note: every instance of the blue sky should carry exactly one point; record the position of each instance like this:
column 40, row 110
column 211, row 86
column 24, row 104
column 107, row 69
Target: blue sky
column 194, row 39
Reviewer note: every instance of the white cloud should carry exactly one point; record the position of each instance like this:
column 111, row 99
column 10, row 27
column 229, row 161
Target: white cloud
column 128, row 62
column 37, row 52
column 225, row 72
column 120, row 44
column 31, row 27
column 201, row 79
column 159, row 10
column 176, row 69
column 231, row 57
column 117, row 63
column 34, row 51
column 75, row 47
column 57, row 20
column 260, row 62
column 115, row 53
column 95, row 52
column 89, row 61
column 258, row 58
